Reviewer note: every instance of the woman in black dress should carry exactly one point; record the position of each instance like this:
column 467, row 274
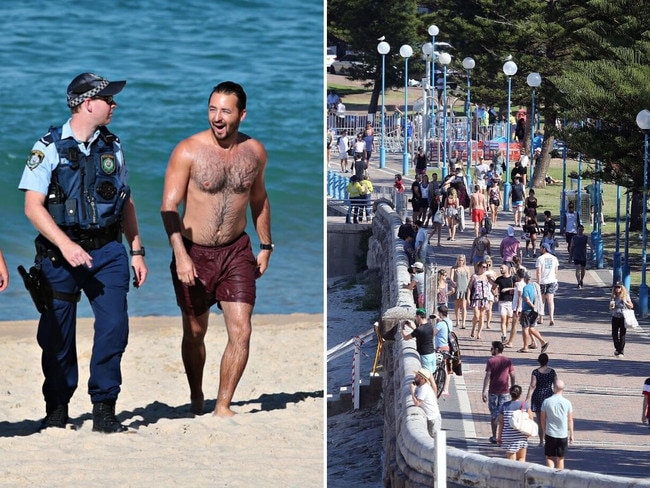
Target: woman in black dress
column 541, row 387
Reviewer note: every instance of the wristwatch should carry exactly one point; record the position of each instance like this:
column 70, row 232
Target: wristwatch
column 267, row 247
column 137, row 252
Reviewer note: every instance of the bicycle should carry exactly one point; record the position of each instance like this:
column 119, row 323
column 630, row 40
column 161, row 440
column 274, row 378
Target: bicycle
column 440, row 374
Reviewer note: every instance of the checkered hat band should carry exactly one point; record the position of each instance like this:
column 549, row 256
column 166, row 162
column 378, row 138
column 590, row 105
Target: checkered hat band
column 89, row 94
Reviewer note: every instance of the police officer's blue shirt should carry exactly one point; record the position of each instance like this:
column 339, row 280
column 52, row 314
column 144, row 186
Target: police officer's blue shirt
column 44, row 158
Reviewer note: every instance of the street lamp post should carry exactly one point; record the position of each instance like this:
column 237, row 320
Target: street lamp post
column 626, row 258
column 643, row 121
column 433, row 32
column 616, row 257
column 406, row 52
column 427, row 50
column 468, row 64
column 533, row 80
column 383, row 48
column 510, row 69
column 444, row 59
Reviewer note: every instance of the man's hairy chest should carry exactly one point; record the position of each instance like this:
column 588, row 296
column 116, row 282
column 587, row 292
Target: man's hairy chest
column 215, row 175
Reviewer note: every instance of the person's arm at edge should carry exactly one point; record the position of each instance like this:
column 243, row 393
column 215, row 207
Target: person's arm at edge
column 174, row 193
column 261, row 213
column 132, row 234
column 644, row 419
column 486, row 384
column 4, row 273
column 531, row 387
column 570, row 422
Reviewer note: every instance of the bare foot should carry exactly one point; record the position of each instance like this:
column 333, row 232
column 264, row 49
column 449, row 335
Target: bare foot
column 223, row 412
column 197, row 405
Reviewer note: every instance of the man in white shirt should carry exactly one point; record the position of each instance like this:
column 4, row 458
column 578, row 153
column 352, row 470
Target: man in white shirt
column 571, row 223
column 344, row 145
column 546, row 266
column 479, row 174
column 424, row 396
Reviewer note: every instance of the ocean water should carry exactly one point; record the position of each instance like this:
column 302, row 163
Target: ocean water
column 172, row 54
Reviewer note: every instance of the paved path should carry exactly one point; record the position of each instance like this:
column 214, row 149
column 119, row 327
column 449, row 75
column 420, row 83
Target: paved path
column 605, row 391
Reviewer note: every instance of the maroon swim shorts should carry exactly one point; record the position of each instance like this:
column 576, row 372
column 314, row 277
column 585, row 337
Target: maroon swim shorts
column 226, row 274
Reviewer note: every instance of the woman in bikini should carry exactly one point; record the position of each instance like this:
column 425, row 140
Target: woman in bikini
column 459, row 275
column 451, row 213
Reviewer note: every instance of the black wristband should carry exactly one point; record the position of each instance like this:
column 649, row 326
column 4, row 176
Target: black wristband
column 267, row 247
column 137, row 252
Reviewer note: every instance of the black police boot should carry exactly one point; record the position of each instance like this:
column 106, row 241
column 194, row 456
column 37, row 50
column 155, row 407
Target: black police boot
column 56, row 415
column 104, row 419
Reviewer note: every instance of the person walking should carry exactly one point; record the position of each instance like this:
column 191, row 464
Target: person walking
column 578, row 249
column 528, row 317
column 480, row 297
column 505, row 289
column 423, row 395
column 452, row 204
column 212, row 258
column 557, row 423
column 499, row 377
column 645, row 409
column 618, row 302
column 80, row 220
column 477, row 208
column 422, row 331
column 571, row 223
column 480, row 248
column 442, row 331
column 514, row 442
column 517, row 196
column 460, row 276
column 546, row 267
column 540, row 388
column 510, row 246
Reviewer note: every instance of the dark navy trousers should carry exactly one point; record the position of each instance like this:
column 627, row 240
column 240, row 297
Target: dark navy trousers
column 105, row 285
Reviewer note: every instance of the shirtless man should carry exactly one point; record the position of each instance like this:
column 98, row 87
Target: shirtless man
column 216, row 174
column 477, row 208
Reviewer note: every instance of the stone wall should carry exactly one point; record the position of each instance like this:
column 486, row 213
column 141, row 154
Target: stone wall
column 408, row 448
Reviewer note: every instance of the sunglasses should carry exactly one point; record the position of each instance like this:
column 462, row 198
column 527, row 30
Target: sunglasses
column 109, row 99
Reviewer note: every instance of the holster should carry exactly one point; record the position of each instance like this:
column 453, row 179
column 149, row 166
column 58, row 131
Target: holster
column 38, row 288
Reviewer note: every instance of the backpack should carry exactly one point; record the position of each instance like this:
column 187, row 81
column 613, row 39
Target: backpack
column 487, row 223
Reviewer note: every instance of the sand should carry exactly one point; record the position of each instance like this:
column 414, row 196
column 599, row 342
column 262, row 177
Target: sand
column 276, row 440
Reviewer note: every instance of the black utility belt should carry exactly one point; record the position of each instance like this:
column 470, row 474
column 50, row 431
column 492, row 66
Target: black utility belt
column 88, row 242
column 92, row 243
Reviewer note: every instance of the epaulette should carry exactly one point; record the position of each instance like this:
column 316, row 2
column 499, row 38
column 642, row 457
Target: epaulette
column 107, row 136
column 52, row 136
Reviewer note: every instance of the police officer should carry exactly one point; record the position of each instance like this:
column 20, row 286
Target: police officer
column 77, row 198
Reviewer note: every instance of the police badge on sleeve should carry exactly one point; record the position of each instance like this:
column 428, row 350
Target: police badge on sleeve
column 35, row 158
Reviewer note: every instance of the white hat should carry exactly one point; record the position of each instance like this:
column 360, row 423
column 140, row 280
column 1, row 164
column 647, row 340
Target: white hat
column 511, row 231
column 418, row 265
column 424, row 373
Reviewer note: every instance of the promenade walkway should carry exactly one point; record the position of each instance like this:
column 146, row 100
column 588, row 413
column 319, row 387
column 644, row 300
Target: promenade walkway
column 605, row 391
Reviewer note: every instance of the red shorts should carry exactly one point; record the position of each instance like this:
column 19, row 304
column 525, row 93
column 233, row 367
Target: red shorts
column 477, row 215
column 226, row 274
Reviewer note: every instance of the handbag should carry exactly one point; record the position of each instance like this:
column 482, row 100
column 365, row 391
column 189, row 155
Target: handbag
column 521, row 422
column 438, row 217
column 630, row 318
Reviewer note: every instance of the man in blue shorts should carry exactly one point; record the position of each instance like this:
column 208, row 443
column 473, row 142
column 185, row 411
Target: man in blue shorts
column 517, row 195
